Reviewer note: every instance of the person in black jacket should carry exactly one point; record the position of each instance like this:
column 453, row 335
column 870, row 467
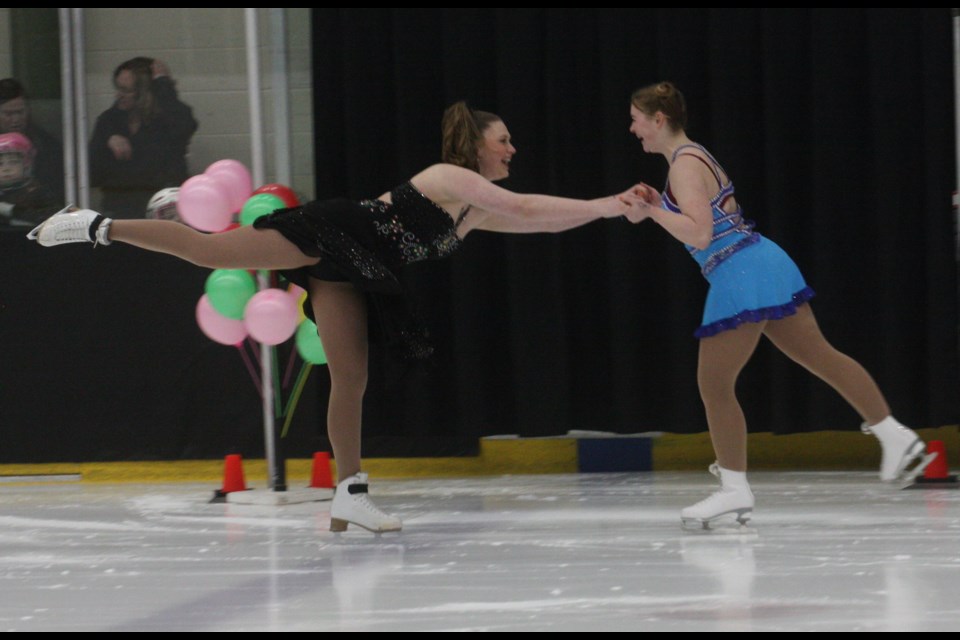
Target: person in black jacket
column 139, row 145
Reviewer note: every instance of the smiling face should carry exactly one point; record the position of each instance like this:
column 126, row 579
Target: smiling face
column 648, row 129
column 495, row 152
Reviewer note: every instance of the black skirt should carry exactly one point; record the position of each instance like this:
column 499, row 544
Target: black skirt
column 343, row 235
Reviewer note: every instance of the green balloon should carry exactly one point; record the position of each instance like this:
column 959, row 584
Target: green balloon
column 229, row 290
column 260, row 205
column 308, row 343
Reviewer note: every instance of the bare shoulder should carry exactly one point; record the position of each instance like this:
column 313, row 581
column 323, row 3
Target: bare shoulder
column 449, row 185
column 687, row 164
column 689, row 172
column 442, row 174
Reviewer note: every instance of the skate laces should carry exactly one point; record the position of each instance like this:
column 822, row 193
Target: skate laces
column 716, row 496
column 67, row 229
column 363, row 500
column 360, row 498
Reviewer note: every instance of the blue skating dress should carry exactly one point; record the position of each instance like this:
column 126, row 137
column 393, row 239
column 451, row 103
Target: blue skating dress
column 751, row 278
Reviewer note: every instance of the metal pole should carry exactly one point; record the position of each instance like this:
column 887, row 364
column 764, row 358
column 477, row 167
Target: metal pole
column 80, row 106
column 66, row 90
column 275, row 468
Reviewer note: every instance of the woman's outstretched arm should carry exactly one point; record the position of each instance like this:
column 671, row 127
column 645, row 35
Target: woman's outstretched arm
column 448, row 184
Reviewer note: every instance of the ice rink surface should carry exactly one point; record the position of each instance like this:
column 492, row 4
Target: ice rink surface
column 580, row 552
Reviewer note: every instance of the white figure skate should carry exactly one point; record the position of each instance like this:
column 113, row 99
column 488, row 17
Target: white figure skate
column 66, row 226
column 904, row 453
column 351, row 504
column 734, row 499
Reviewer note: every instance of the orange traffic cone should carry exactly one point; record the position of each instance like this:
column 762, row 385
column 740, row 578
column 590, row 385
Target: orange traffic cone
column 232, row 478
column 937, row 473
column 321, row 478
column 938, row 469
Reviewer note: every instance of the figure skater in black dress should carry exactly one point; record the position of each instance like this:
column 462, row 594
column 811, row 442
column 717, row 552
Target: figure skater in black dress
column 346, row 253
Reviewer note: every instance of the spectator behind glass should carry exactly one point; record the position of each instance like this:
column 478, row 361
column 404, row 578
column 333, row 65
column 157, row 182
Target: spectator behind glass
column 48, row 151
column 139, row 145
column 24, row 201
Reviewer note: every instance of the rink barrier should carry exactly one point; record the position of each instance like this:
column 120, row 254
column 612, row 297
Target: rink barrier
column 582, row 452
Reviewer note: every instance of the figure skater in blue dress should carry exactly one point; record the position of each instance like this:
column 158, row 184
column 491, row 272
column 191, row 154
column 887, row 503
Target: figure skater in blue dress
column 755, row 289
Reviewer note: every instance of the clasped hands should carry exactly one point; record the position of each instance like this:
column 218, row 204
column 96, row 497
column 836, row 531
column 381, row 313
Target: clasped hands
column 641, row 198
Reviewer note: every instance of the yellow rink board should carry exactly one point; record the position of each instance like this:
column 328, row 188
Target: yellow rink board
column 822, row 450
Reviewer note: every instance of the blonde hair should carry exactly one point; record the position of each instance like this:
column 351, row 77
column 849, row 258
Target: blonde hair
column 462, row 129
column 665, row 98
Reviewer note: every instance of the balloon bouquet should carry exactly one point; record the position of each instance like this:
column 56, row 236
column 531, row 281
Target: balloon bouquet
column 232, row 311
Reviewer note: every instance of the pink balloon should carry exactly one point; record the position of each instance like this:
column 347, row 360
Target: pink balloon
column 204, row 204
column 271, row 316
column 217, row 327
column 235, row 177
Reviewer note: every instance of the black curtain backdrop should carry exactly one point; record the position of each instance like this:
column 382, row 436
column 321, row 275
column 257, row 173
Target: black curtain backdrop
column 101, row 359
column 836, row 125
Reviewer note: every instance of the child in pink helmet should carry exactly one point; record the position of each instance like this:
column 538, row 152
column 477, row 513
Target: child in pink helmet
column 23, row 200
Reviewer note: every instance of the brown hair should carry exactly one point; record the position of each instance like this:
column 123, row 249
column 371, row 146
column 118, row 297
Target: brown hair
column 10, row 88
column 463, row 129
column 665, row 98
column 141, row 67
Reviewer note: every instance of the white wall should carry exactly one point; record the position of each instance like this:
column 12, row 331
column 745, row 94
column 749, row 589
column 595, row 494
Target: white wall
column 300, row 84
column 204, row 49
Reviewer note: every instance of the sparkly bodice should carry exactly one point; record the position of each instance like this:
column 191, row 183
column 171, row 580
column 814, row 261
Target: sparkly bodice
column 731, row 231
column 412, row 227
column 367, row 243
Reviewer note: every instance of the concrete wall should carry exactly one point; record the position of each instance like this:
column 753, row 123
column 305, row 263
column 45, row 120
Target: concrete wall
column 205, row 50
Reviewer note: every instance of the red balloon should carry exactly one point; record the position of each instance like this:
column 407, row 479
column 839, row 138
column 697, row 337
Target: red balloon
column 283, row 192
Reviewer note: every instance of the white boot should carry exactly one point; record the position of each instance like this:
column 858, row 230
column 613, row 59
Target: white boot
column 351, row 504
column 83, row 225
column 901, row 447
column 734, row 497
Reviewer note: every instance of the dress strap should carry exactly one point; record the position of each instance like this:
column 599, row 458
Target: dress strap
column 676, row 152
column 709, row 166
column 463, row 214
column 715, row 168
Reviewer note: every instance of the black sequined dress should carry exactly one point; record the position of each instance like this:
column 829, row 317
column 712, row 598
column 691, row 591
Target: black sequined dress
column 367, row 243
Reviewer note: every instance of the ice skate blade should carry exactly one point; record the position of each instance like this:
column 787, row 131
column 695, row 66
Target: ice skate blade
column 730, row 520
column 916, row 472
column 339, row 526
column 35, row 233
column 732, row 529
column 917, row 457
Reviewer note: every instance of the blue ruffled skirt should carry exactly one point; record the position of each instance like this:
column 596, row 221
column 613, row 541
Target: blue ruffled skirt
column 759, row 282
